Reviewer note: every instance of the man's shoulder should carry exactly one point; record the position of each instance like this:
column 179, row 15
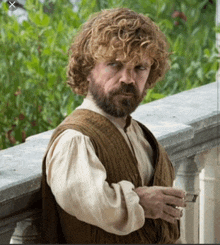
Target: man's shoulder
column 69, row 134
column 69, row 138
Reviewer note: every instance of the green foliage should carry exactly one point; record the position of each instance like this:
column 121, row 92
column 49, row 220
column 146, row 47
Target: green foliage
column 192, row 42
column 34, row 95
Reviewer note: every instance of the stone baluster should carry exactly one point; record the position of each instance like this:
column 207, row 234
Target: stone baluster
column 6, row 231
column 187, row 178
column 27, row 231
column 210, row 197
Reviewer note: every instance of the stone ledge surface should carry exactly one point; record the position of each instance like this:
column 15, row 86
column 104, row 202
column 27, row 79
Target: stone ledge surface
column 187, row 107
column 21, row 167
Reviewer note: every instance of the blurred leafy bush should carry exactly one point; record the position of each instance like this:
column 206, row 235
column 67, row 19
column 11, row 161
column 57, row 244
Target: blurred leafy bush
column 34, row 95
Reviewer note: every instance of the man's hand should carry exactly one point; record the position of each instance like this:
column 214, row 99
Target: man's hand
column 161, row 202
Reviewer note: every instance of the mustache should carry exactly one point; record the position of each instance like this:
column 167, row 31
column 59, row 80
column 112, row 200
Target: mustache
column 127, row 89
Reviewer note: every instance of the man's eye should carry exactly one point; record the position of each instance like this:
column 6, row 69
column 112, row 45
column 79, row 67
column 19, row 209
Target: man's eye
column 113, row 64
column 140, row 67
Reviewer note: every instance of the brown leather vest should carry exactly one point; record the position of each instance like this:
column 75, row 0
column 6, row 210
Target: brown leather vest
column 120, row 164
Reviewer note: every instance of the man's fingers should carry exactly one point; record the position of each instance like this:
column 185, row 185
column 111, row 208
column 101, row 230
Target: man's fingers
column 171, row 214
column 171, row 200
column 158, row 204
column 175, row 212
column 174, row 192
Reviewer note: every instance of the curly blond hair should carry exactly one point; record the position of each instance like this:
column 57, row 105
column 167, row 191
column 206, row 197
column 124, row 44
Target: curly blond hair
column 113, row 32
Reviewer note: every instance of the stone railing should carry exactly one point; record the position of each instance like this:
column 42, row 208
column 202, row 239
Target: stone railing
column 187, row 125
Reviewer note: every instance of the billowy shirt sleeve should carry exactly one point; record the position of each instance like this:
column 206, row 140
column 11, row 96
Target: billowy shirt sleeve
column 77, row 179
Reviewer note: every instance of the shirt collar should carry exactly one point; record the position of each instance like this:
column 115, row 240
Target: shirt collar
column 89, row 103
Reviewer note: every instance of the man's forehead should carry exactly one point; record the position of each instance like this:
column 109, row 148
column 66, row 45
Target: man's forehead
column 129, row 60
column 144, row 61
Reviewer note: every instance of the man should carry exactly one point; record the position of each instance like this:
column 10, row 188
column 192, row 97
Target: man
column 106, row 179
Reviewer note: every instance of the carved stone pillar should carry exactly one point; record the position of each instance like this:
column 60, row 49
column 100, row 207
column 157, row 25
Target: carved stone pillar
column 27, row 231
column 210, row 197
column 187, row 178
column 6, row 231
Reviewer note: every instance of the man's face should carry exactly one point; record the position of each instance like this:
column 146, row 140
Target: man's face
column 110, row 81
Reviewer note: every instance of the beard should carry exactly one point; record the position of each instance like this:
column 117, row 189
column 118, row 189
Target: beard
column 114, row 104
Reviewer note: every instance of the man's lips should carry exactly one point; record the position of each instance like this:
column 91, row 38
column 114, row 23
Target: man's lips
column 129, row 94
column 126, row 94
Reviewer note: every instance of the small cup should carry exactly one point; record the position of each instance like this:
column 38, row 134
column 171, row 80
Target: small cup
column 191, row 197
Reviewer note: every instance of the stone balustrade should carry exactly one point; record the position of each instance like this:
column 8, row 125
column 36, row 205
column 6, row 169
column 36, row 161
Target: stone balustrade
column 187, row 125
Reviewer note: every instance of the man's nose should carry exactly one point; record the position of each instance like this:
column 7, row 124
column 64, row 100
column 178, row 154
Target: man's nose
column 127, row 76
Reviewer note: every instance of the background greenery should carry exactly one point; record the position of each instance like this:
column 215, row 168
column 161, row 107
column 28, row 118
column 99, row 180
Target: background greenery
column 34, row 94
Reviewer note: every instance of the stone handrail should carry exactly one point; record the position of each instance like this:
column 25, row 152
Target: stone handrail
column 187, row 125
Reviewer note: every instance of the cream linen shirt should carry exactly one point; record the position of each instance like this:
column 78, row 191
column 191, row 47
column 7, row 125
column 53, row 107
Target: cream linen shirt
column 77, row 178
